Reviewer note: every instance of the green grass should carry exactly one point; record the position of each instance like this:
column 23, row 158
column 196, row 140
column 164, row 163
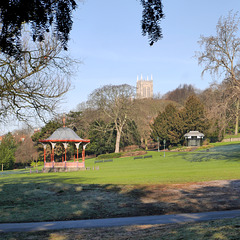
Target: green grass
column 109, row 191
column 220, row 162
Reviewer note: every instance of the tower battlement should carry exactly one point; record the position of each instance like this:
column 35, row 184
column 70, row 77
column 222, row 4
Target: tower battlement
column 144, row 88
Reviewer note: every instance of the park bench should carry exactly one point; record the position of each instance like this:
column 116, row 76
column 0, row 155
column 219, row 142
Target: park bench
column 98, row 161
column 138, row 157
column 108, row 160
column 148, row 156
column 101, row 161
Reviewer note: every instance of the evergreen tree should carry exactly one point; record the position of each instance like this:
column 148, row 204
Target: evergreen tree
column 7, row 151
column 46, row 132
column 193, row 116
column 130, row 134
column 168, row 126
column 102, row 138
column 103, row 135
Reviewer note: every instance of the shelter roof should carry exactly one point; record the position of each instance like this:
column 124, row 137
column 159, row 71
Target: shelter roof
column 64, row 134
column 194, row 134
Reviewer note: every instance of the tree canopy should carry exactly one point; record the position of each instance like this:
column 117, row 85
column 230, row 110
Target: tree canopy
column 173, row 123
column 220, row 55
column 194, row 116
column 41, row 15
column 151, row 17
column 35, row 86
column 7, row 151
column 56, row 16
column 114, row 103
column 168, row 125
column 181, row 93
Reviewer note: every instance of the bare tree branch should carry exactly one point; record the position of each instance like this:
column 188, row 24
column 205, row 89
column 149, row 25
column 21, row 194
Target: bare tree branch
column 114, row 102
column 221, row 55
column 36, row 85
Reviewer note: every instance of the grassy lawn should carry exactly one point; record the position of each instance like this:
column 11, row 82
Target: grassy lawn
column 212, row 230
column 118, row 188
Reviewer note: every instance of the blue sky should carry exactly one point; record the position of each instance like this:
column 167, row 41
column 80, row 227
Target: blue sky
column 107, row 37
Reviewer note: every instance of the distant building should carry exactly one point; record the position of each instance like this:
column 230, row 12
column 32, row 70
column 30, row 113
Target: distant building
column 144, row 88
column 37, row 130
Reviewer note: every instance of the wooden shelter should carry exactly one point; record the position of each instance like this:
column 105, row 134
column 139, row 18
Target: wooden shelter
column 194, row 138
column 65, row 136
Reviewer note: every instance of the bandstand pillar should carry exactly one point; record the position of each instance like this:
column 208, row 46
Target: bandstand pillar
column 44, row 152
column 83, row 153
column 65, row 147
column 52, row 155
column 77, row 146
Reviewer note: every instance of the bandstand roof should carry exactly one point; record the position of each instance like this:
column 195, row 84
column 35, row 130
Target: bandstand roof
column 64, row 134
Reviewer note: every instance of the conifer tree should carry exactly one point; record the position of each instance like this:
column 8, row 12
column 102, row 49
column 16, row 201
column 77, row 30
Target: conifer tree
column 168, row 126
column 193, row 115
column 7, row 151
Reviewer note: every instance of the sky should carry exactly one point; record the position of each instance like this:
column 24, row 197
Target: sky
column 107, row 38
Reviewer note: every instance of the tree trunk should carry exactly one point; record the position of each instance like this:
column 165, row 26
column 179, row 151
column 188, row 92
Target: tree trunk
column 237, row 118
column 117, row 145
column 146, row 144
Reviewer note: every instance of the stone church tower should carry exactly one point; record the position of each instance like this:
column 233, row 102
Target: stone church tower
column 144, row 88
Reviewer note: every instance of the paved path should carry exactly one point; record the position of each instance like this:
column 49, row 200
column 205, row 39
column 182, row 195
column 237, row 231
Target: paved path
column 113, row 222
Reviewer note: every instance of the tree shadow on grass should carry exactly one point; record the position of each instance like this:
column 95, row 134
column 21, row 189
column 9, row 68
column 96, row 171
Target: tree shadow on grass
column 203, row 157
column 47, row 198
column 211, row 196
column 227, row 153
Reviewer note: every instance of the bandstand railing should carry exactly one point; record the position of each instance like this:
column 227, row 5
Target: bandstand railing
column 64, row 165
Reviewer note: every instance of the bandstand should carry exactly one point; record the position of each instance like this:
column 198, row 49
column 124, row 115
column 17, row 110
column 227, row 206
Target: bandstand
column 65, row 136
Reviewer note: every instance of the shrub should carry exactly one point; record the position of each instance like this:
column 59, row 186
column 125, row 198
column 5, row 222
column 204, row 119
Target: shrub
column 37, row 163
column 109, row 155
column 206, row 141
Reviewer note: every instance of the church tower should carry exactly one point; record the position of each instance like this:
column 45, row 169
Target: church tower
column 144, row 88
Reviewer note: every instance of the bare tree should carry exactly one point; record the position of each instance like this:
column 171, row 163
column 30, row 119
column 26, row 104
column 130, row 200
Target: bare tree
column 36, row 85
column 181, row 93
column 215, row 104
column 26, row 152
column 114, row 103
column 221, row 54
